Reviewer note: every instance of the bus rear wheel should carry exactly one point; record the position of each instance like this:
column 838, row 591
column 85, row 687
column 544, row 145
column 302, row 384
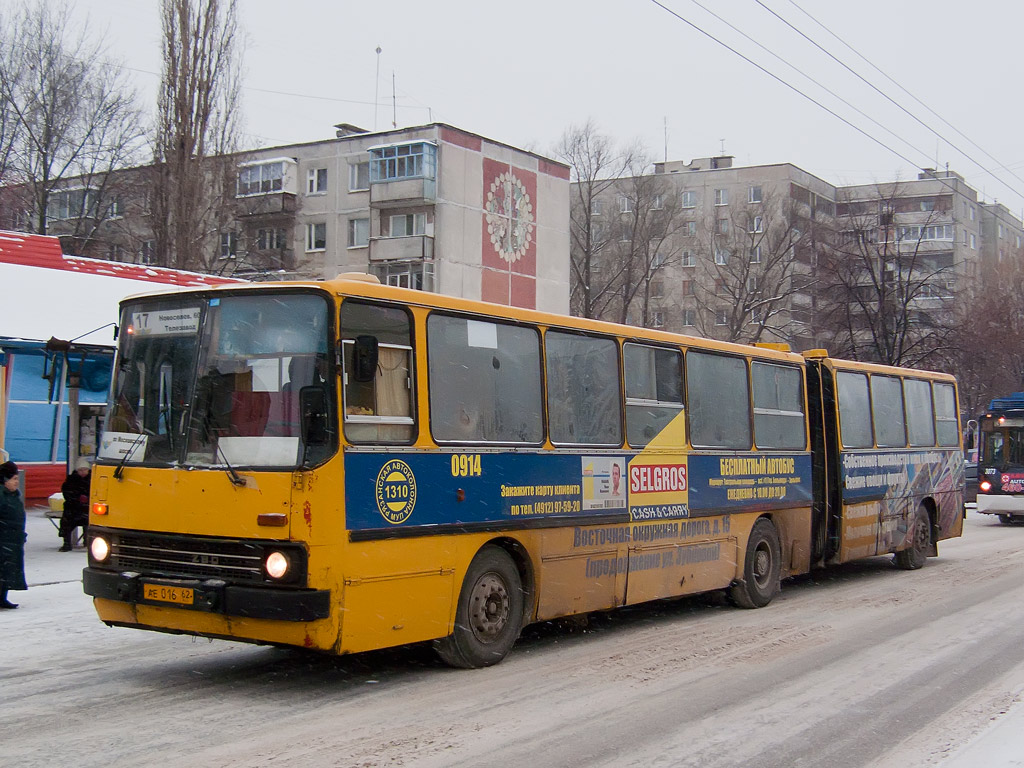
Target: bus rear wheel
column 489, row 614
column 761, row 567
column 914, row 556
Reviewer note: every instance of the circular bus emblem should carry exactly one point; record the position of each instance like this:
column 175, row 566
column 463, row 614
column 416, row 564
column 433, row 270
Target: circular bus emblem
column 396, row 491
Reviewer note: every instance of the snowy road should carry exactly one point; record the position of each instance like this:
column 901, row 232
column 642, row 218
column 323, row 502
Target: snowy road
column 864, row 665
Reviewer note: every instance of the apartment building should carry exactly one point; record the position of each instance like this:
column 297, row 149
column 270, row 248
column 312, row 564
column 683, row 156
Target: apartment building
column 740, row 250
column 432, row 207
column 732, row 248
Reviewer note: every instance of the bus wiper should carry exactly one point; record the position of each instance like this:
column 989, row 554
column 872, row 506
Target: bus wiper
column 233, row 476
column 119, row 469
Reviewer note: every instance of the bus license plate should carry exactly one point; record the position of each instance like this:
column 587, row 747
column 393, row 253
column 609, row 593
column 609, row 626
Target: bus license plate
column 165, row 594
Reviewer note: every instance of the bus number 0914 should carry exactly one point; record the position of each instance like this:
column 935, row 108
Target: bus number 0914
column 466, row 465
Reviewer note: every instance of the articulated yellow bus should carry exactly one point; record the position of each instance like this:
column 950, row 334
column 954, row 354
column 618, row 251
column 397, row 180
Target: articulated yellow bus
column 346, row 466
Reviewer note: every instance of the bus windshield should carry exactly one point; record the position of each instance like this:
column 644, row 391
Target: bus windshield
column 1002, row 444
column 222, row 382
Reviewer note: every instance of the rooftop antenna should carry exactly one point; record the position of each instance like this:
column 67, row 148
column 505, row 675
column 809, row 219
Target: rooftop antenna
column 376, row 90
column 394, row 102
column 723, row 146
column 666, row 139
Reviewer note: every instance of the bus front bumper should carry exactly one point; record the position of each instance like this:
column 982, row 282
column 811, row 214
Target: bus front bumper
column 209, row 595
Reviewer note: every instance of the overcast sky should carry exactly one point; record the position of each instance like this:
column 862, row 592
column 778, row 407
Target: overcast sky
column 523, row 72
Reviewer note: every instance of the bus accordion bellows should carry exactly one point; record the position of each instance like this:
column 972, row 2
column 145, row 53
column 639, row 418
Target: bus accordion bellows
column 347, row 466
column 1001, row 459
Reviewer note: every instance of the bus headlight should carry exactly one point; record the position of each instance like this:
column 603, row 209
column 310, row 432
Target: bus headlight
column 99, row 548
column 277, row 565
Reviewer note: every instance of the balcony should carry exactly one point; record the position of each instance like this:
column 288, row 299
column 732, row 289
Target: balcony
column 410, row 248
column 402, row 192
column 270, row 204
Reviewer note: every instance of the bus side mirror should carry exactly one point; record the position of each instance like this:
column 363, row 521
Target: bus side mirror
column 314, row 416
column 364, row 359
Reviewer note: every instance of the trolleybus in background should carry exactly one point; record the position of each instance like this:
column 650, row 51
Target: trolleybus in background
column 347, row 466
column 1001, row 459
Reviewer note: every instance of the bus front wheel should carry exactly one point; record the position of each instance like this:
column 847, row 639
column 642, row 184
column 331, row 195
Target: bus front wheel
column 914, row 556
column 489, row 614
column 761, row 567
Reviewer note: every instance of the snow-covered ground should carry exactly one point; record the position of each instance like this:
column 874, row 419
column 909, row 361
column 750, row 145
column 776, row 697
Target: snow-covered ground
column 867, row 666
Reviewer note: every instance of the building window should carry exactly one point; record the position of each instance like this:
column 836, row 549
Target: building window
column 720, row 287
column 657, row 289
column 687, row 287
column 658, row 203
column 658, row 260
column 316, row 237
column 689, row 199
column 721, row 317
column 687, row 259
column 974, row 242
column 71, row 204
column 271, row 239
column 721, row 256
column 721, row 197
column 689, row 317
column 596, row 207
column 689, row 228
column 359, row 176
column 757, row 225
column 403, row 161
column 757, row 315
column 316, row 181
column 999, row 228
column 262, row 179
column 115, row 252
column 408, row 224
column 972, row 213
column 358, row 233
column 658, row 319
column 927, row 205
column 722, row 226
column 754, row 195
column 625, row 204
column 147, row 253
column 228, row 245
column 755, row 254
column 752, row 284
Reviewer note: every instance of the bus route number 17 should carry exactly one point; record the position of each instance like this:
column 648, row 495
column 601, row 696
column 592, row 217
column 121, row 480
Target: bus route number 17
column 465, row 465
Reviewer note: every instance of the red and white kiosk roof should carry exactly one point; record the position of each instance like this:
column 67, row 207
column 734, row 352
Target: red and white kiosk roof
column 45, row 292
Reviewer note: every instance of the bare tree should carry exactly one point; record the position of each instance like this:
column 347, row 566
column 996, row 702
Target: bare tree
column 594, row 165
column 644, row 242
column 988, row 353
column 68, row 118
column 751, row 271
column 197, row 130
column 884, row 288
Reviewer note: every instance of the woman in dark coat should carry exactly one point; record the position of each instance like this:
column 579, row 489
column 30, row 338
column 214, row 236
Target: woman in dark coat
column 76, row 503
column 12, row 534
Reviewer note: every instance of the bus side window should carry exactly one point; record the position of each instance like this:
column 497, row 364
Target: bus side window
column 887, row 411
column 377, row 373
column 920, row 422
column 778, row 407
column 484, row 381
column 946, row 431
column 654, row 391
column 584, row 394
column 718, row 401
column 854, row 409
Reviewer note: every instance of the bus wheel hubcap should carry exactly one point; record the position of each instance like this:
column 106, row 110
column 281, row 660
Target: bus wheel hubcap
column 489, row 607
column 762, row 565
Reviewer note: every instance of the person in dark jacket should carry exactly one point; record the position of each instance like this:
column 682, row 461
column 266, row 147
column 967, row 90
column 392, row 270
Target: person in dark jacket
column 12, row 534
column 76, row 503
